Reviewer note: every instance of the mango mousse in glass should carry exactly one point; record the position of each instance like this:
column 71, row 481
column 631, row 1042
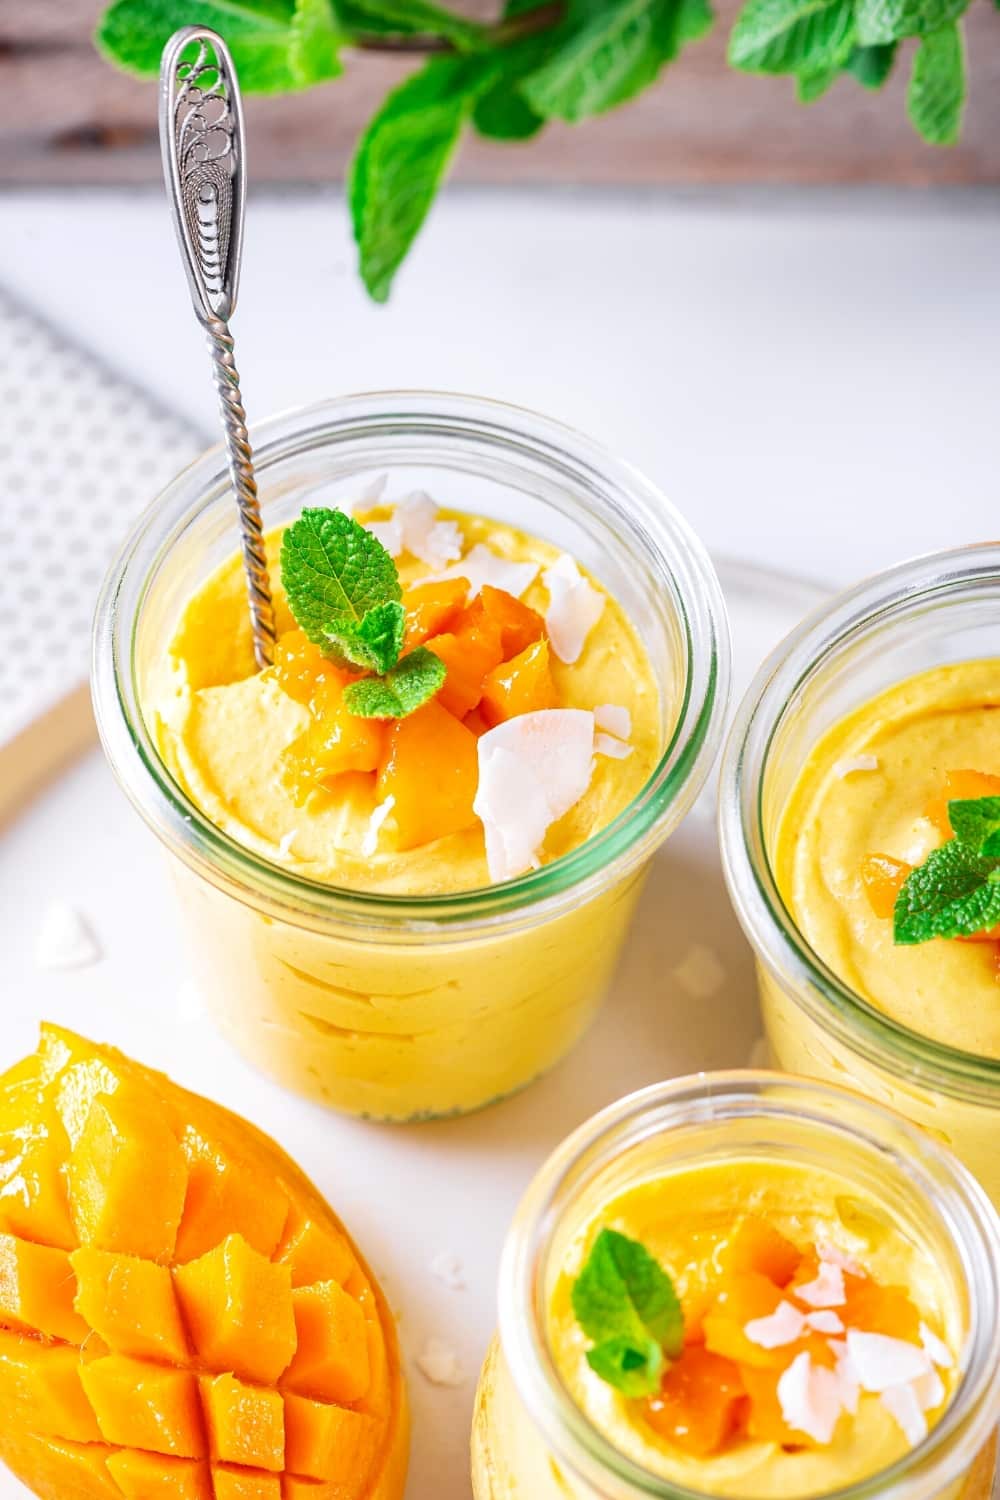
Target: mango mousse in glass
column 748, row 1286
column 860, row 795
column 408, row 851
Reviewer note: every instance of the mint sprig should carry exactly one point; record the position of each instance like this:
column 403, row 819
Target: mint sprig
column 956, row 891
column 343, row 588
column 626, row 1303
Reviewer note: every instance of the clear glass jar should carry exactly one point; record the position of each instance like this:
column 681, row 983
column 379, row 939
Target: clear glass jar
column 531, row 1440
column 407, row 1007
column 939, row 609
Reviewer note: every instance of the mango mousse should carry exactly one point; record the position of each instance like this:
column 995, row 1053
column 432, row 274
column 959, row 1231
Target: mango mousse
column 181, row 1314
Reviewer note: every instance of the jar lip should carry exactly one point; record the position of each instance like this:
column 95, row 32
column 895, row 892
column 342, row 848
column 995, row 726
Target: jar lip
column 753, row 889
column 753, row 1094
column 687, row 575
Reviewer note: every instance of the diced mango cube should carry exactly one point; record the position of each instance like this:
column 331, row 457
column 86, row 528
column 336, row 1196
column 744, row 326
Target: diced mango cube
column 755, row 1245
column 431, row 770
column 226, row 1196
column 238, row 1309
column 883, row 877
column 431, row 608
column 330, row 1442
column 57, row 1469
column 331, row 1358
column 959, row 786
column 301, row 669
column 41, row 1386
column 33, row 1148
column 127, row 1178
column 37, row 1287
column 469, row 650
column 519, row 624
column 522, row 685
column 699, row 1403
column 245, row 1484
column 130, row 1304
column 152, row 1476
column 142, row 1405
column 880, row 1309
column 246, row 1423
column 315, row 1252
column 743, row 1297
column 336, row 741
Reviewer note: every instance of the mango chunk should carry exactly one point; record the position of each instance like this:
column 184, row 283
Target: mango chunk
column 127, row 1178
column 313, row 1253
column 883, row 878
column 755, row 1245
column 226, row 1196
column 331, row 1358
column 246, row 1423
column 959, row 786
column 431, row 608
column 130, row 1304
column 41, row 1386
column 519, row 624
column 57, row 1469
column 238, row 1309
column 522, row 685
column 151, row 1476
column 329, row 1442
column 300, row 668
column 431, row 770
column 745, row 1296
column 143, row 1405
column 36, row 1290
column 470, row 649
column 699, row 1403
column 245, row 1484
column 33, row 1148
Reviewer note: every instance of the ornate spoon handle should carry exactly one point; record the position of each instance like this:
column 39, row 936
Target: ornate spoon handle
column 204, row 163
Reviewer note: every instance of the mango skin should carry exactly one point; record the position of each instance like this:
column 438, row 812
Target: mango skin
column 142, row 1192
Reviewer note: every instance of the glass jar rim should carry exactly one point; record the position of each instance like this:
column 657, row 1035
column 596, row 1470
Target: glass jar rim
column 609, row 855
column 971, row 1416
column 753, row 890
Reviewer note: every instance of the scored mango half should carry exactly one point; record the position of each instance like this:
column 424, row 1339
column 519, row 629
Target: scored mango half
column 182, row 1317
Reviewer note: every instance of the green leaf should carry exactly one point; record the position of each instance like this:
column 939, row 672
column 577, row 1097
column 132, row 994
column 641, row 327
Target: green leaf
column 791, row 36
column 695, row 19
column 883, row 21
column 406, row 687
column 812, row 86
column 623, row 1293
column 634, row 1369
column 976, row 821
column 954, row 893
column 334, row 572
column 935, row 99
column 606, row 55
column 313, row 47
column 403, row 157
column 376, row 642
column 503, row 114
column 409, row 18
column 872, row 65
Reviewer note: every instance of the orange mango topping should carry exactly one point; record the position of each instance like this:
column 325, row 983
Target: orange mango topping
column 431, row 770
column 700, row 1402
column 520, row 625
column 883, row 878
column 469, row 650
column 335, row 742
column 522, row 685
column 431, row 608
column 959, row 785
column 301, row 670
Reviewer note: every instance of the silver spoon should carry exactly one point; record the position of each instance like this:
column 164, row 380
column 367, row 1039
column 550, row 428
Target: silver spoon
column 204, row 162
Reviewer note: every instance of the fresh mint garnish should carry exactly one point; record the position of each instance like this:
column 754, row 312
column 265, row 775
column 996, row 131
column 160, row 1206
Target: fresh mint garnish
column 954, row 893
column 626, row 1303
column 404, row 688
column 935, row 99
column 976, row 821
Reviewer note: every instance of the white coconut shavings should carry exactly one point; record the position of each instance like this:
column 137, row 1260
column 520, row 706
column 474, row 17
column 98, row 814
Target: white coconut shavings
column 65, row 939
column 439, row 1363
column 447, row 1268
column 389, row 533
column 413, row 527
column 699, row 973
column 369, row 844
column 285, row 850
column 852, row 763
column 481, row 565
column 902, row 1404
column 784, row 1326
column 532, row 770
column 838, row 1257
column 929, row 1390
column 574, row 608
column 827, row 1290
column 810, row 1398
column 882, row 1362
column 850, row 1386
column 605, row 744
column 824, row 1322
column 374, row 492
column 935, row 1348
column 615, row 719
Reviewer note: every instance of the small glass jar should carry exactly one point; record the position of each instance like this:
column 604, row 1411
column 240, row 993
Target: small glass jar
column 530, row 1438
column 411, row 1007
column 936, row 610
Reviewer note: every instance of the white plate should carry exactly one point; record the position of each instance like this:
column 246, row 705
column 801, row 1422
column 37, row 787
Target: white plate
column 408, row 1193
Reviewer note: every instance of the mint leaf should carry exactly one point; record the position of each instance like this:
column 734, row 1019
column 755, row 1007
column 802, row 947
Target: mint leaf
column 871, row 65
column 376, row 642
column 695, row 19
column 976, row 821
column 408, row 686
column 812, row 86
column 882, row 21
column 402, row 158
column 334, row 572
column 623, row 1293
column 409, row 18
column 935, row 99
column 313, row 46
column 954, row 893
column 791, row 36
column 606, row 55
column 503, row 114
column 632, row 1368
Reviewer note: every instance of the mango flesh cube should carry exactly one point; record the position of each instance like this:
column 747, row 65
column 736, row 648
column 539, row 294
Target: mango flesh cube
column 41, row 1386
column 329, row 1442
column 331, row 1357
column 36, row 1290
column 130, row 1304
column 145, row 1406
column 226, row 1196
column 238, row 1308
column 151, row 1476
column 246, row 1423
column 57, row 1469
column 127, row 1178
column 33, row 1147
column 314, row 1253
column 245, row 1484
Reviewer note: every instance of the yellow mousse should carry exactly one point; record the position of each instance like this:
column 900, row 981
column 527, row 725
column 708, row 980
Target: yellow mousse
column 223, row 726
column 870, row 787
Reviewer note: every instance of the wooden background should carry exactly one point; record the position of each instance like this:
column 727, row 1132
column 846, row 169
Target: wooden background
column 66, row 116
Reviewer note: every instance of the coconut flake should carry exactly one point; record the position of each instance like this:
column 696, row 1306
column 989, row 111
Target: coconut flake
column 615, row 719
column 847, row 1376
column 824, row 1322
column 482, row 565
column 604, row 744
column 901, row 1402
column 784, row 1326
column 852, row 763
column 439, row 1363
column 838, row 1257
column 374, row 491
column 699, row 973
column 574, row 608
column 389, row 533
column 369, row 844
column 810, row 1398
column 929, row 1390
column 827, row 1290
column 882, row 1362
column 65, row 939
column 447, row 1268
column 936, row 1348
column 433, row 542
column 286, row 842
column 532, row 770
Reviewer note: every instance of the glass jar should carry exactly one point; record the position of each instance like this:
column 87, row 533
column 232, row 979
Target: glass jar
column 530, row 1438
column 397, row 1007
column 940, row 609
